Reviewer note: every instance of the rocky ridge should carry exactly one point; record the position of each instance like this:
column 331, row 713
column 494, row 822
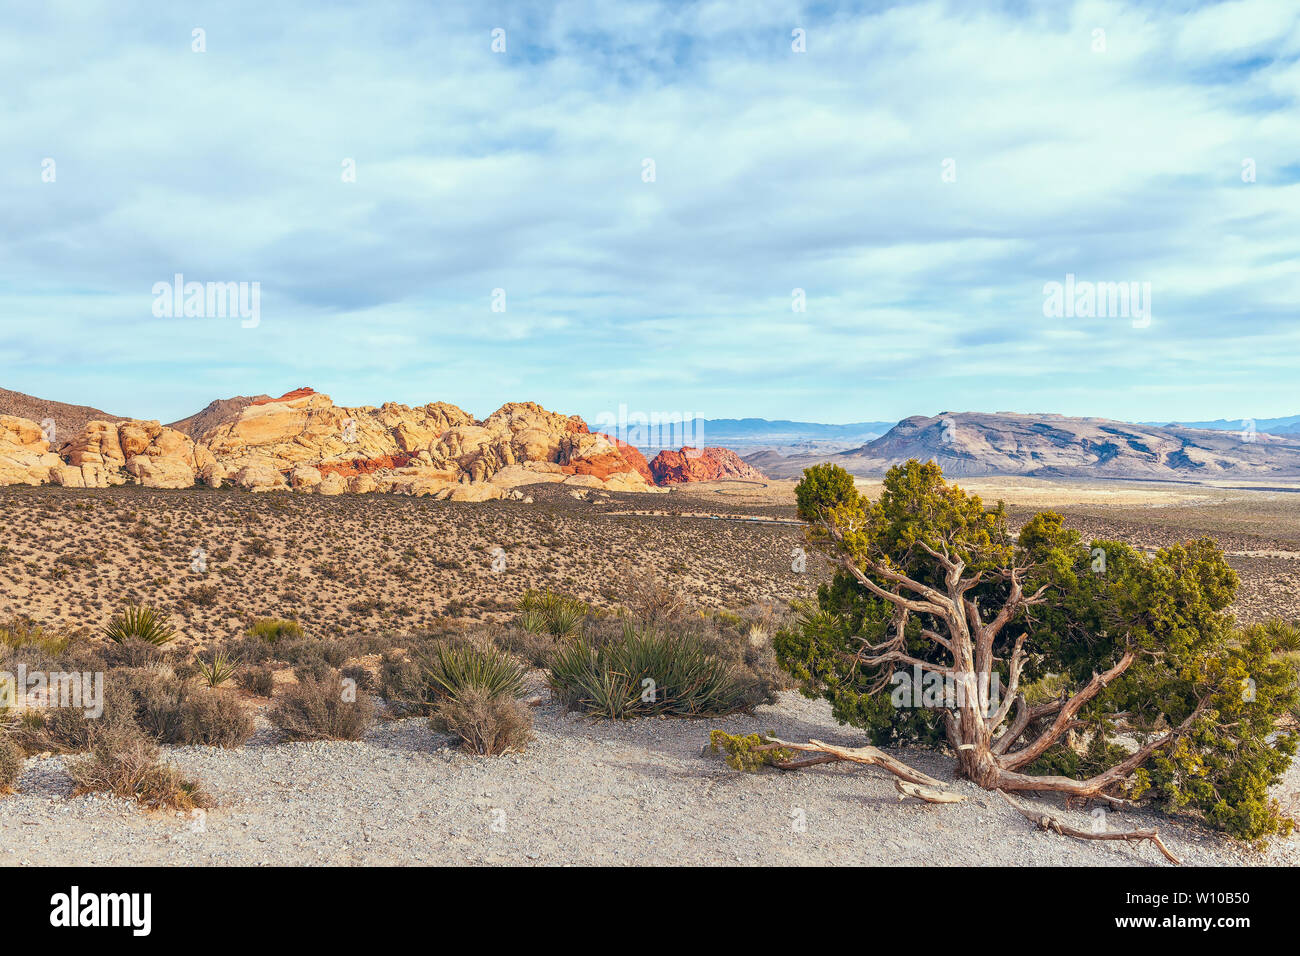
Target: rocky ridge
column 303, row 442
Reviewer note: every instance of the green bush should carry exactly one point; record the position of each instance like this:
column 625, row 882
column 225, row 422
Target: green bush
column 273, row 630
column 645, row 674
column 451, row 670
column 547, row 612
column 140, row 622
column 926, row 568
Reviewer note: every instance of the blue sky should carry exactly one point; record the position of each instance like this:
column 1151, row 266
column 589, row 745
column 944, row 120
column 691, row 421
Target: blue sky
column 774, row 170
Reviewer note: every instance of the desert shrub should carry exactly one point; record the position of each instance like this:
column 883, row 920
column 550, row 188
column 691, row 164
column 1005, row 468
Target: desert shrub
column 313, row 668
column 133, row 652
column 748, row 752
column 401, row 684
column 274, row 630
column 318, row 710
column 651, row 600
column 126, row 764
column 257, row 680
column 360, row 675
column 450, row 671
column 69, row 730
column 11, row 764
column 156, row 699
column 21, row 632
column 217, row 669
column 140, row 622
column 214, row 718
column 335, row 655
column 547, row 612
column 486, row 723
column 535, row 647
column 1141, row 646
column 644, row 674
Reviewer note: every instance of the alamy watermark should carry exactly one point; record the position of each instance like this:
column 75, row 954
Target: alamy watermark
column 1087, row 300
column 208, row 300
column 933, row 690
column 654, row 429
column 83, row 691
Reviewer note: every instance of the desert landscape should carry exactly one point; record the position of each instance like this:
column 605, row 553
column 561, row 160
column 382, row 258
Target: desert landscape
column 698, row 435
column 366, row 575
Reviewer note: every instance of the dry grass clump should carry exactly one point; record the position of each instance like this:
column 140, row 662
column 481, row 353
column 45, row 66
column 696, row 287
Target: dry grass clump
column 486, row 724
column 11, row 764
column 127, row 765
column 322, row 709
column 257, row 680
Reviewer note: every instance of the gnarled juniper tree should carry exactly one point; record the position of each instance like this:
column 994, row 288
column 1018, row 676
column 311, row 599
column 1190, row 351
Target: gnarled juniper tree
column 1093, row 670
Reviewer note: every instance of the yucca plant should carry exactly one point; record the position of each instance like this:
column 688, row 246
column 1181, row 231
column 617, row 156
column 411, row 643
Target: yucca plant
column 140, row 622
column 563, row 615
column 452, row 671
column 644, row 674
column 1284, row 636
column 218, row 670
column 531, row 619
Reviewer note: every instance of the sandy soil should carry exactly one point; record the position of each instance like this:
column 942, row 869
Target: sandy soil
column 638, row 793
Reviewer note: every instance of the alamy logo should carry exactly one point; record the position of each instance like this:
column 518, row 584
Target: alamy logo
column 73, row 909
column 1089, row 300
column 40, row 689
column 208, row 300
column 653, row 430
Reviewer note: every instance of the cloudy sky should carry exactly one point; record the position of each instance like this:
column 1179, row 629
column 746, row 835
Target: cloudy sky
column 920, row 171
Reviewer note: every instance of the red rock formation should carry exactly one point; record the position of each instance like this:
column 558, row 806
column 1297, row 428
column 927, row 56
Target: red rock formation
column 711, row 464
column 287, row 396
column 362, row 466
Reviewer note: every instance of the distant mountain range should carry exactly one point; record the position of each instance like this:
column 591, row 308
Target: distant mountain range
column 1274, row 426
column 1055, row 446
column 757, row 434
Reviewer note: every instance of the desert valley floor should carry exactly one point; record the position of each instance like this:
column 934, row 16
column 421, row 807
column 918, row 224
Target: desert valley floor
column 584, row 791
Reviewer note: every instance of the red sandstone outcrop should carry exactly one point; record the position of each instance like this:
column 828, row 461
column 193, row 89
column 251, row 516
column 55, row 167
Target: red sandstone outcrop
column 303, row 442
column 710, row 464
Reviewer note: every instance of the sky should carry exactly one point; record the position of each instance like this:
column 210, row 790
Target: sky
column 823, row 212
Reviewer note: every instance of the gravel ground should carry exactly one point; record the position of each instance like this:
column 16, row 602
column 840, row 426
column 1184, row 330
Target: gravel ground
column 584, row 793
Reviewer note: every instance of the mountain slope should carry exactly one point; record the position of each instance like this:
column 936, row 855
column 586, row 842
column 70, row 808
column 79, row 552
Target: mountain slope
column 69, row 420
column 220, row 412
column 977, row 443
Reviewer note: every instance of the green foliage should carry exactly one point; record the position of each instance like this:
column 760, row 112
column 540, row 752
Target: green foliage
column 743, row 752
column 452, row 670
column 547, row 612
column 218, row 669
column 273, row 630
column 21, row 632
column 645, row 674
column 142, row 623
column 1102, row 599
